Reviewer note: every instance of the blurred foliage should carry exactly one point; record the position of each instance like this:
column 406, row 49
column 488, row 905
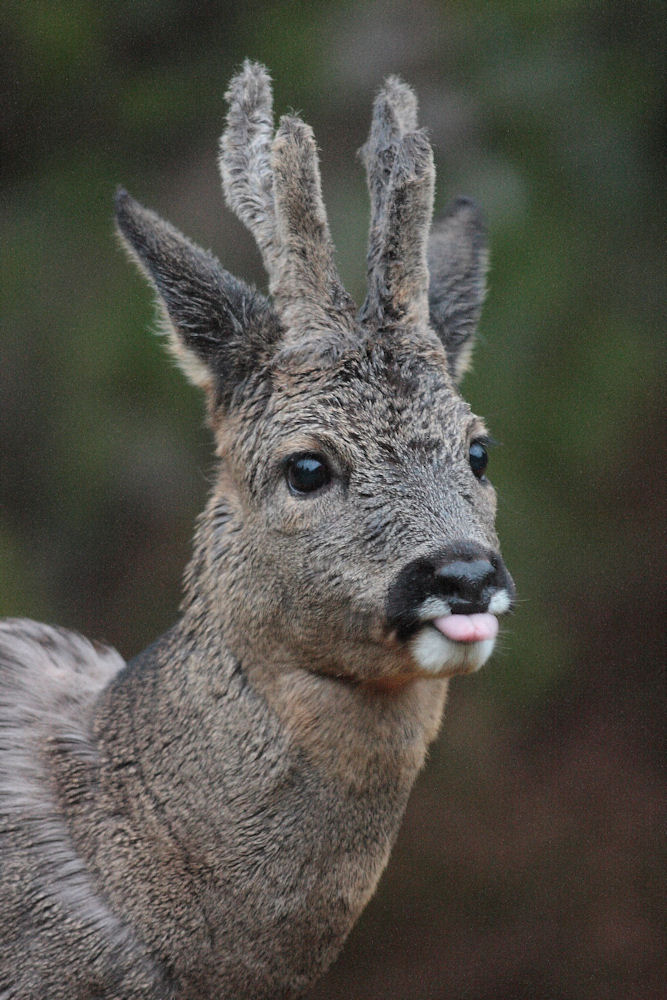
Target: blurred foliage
column 552, row 115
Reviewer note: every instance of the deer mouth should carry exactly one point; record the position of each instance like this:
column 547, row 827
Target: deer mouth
column 454, row 644
column 479, row 627
column 445, row 642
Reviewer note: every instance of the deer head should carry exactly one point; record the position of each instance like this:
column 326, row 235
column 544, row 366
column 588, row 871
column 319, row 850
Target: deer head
column 350, row 531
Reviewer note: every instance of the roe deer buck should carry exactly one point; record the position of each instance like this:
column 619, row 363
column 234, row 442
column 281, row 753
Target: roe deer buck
column 210, row 819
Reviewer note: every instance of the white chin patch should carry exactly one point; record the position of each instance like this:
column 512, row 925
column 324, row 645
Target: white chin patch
column 441, row 657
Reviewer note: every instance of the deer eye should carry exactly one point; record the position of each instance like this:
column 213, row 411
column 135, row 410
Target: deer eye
column 478, row 458
column 307, row 473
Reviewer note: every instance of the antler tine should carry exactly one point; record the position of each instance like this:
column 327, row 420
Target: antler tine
column 394, row 114
column 305, row 285
column 400, row 173
column 245, row 156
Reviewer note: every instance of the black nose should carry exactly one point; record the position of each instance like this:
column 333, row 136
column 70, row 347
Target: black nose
column 465, row 576
column 466, row 584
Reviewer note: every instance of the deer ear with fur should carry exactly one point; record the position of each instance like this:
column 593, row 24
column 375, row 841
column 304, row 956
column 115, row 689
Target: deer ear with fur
column 216, row 324
column 458, row 262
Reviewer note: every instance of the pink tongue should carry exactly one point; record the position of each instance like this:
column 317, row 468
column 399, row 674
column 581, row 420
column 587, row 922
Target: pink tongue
column 467, row 628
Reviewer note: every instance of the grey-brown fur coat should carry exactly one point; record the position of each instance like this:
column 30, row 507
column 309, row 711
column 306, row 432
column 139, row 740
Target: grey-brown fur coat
column 209, row 820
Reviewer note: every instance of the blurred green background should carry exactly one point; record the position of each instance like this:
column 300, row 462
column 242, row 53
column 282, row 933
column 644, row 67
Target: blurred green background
column 529, row 864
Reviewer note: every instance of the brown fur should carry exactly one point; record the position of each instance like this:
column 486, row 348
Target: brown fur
column 210, row 819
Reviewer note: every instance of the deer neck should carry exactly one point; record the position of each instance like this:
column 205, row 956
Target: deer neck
column 191, row 696
column 213, row 776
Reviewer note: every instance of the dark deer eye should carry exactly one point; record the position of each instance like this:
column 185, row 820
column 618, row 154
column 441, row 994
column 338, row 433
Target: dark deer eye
column 307, row 473
column 478, row 458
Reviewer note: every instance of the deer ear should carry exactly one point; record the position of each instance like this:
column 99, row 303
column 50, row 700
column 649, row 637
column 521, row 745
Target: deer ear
column 214, row 321
column 458, row 262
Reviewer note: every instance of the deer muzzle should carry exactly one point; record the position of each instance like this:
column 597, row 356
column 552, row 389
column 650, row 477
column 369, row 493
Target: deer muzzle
column 445, row 606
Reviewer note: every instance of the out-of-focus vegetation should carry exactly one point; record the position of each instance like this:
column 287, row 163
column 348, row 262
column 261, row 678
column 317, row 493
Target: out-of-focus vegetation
column 527, row 866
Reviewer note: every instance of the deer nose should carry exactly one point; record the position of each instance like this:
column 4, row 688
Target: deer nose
column 467, row 584
column 462, row 578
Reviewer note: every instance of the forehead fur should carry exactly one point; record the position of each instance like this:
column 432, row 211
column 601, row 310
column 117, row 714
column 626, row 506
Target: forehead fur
column 384, row 397
column 370, row 370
